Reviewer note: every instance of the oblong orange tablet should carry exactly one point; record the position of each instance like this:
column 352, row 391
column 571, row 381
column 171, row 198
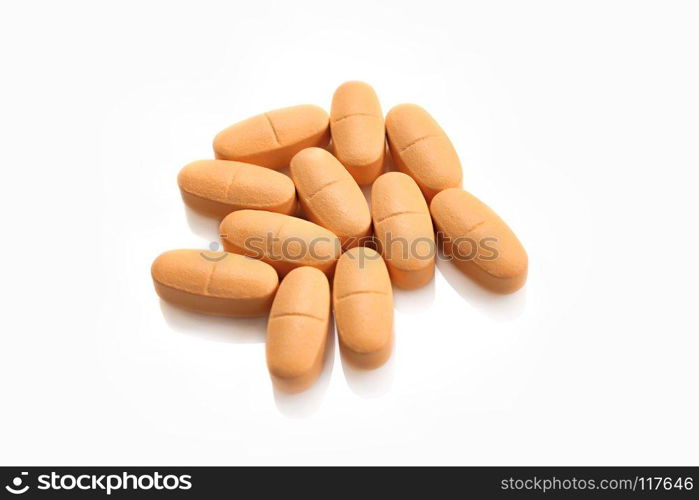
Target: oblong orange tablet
column 219, row 187
column 215, row 282
column 357, row 130
column 479, row 242
column 329, row 195
column 273, row 138
column 297, row 329
column 403, row 229
column 421, row 149
column 363, row 304
column 282, row 241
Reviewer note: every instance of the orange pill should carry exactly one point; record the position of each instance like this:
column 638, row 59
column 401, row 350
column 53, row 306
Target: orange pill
column 273, row 138
column 358, row 131
column 219, row 187
column 403, row 229
column 297, row 329
column 330, row 197
column 479, row 242
column 421, row 149
column 215, row 282
column 363, row 304
column 282, row 241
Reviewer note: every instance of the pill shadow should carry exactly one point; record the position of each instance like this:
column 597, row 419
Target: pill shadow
column 414, row 301
column 389, row 165
column 494, row 305
column 306, row 403
column 202, row 225
column 215, row 328
column 370, row 384
column 366, row 191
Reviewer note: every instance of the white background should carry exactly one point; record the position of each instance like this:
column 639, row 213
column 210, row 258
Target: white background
column 577, row 122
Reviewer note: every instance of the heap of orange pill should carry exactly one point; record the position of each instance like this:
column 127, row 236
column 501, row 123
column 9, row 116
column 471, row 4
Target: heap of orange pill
column 302, row 245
